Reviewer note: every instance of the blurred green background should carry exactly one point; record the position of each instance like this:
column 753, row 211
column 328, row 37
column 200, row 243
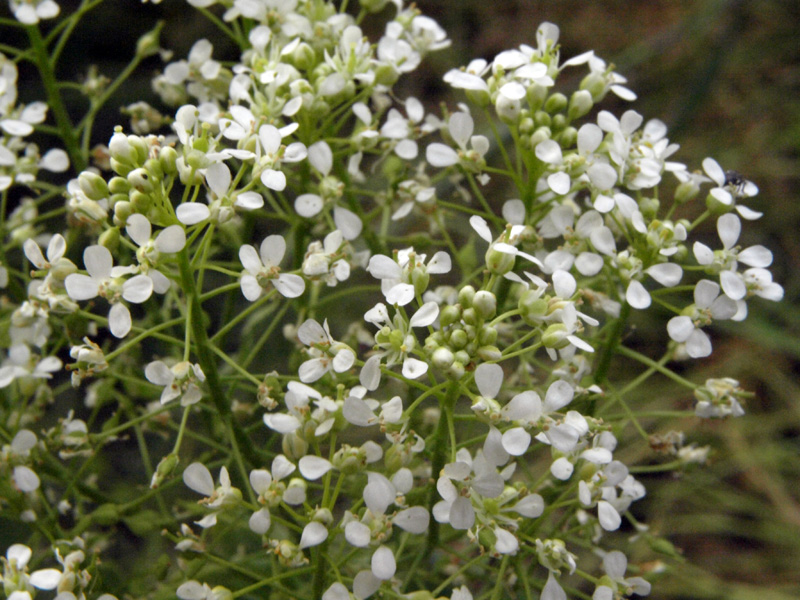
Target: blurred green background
column 724, row 75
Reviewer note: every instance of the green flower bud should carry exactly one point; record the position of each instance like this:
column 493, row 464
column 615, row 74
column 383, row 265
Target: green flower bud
column 487, row 335
column 555, row 336
column 140, row 180
column 542, row 119
column 579, row 104
column 420, row 279
column 499, row 263
column 167, row 156
column 110, row 239
column 141, row 202
column 164, row 469
column 595, row 85
column 148, row 44
column 304, row 57
column 485, row 304
column 456, row 371
column 449, row 315
column 536, row 96
column 479, row 98
column 122, row 210
column 458, row 339
column 219, row 592
column 555, row 103
column 716, row 207
column 463, row 357
column 540, row 135
column 442, row 358
column 324, row 516
column 119, row 185
column 349, row 459
column 93, row 185
column 293, row 446
column 559, row 122
column 649, row 207
column 508, row 110
column 527, row 125
column 470, row 316
column 489, row 353
column 567, row 137
column 465, row 296
column 153, row 166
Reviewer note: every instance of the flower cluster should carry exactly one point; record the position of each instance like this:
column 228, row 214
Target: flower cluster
column 389, row 332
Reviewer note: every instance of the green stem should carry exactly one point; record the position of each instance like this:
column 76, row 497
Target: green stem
column 208, row 363
column 56, row 104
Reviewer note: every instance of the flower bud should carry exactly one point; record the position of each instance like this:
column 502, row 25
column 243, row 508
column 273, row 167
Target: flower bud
column 462, row 356
column 470, row 316
column 456, row 371
column 122, row 210
column 499, row 263
column 489, row 353
column 167, row 156
column 420, row 278
column 442, row 358
column 458, row 339
column 542, row 134
column 567, row 137
column 141, row 202
column 121, row 149
column 304, row 57
column 148, row 44
column 716, row 207
column 579, row 104
column 119, row 185
column 507, row 109
column 110, row 239
column 595, row 85
column 485, row 304
column 164, row 469
column 542, row 119
column 293, row 446
column 93, row 185
column 465, row 296
column 555, row 336
column 559, row 122
column 140, row 180
column 219, row 592
column 536, row 95
column 324, row 516
column 555, row 103
column 449, row 315
column 487, row 335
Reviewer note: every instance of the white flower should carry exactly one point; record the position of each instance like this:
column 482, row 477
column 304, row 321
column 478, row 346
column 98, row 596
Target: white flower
column 460, row 127
column 179, row 381
column 270, row 153
column 327, row 354
column 169, row 240
column 733, row 284
column 615, row 564
column 31, row 12
column 272, row 491
column 708, row 305
column 198, row 478
column 106, row 280
column 396, row 275
column 730, row 188
column 264, row 269
column 395, row 342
